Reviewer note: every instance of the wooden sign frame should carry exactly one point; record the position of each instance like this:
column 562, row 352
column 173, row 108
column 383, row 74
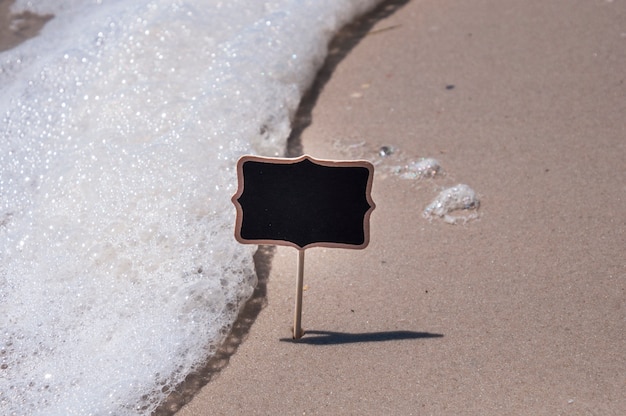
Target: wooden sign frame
column 345, row 208
column 367, row 171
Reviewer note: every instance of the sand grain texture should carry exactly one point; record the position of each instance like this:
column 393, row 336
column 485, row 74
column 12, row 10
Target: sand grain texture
column 524, row 102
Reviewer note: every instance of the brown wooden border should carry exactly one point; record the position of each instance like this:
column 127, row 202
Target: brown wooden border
column 322, row 162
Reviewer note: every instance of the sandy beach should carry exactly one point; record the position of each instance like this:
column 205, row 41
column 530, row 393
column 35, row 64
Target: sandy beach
column 16, row 28
column 521, row 312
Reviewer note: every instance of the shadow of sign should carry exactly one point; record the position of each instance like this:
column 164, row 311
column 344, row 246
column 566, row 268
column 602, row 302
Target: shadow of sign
column 334, row 338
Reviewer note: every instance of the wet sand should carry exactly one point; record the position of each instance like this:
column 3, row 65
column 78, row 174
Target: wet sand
column 16, row 28
column 522, row 311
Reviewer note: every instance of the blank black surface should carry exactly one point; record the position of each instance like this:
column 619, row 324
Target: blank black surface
column 304, row 203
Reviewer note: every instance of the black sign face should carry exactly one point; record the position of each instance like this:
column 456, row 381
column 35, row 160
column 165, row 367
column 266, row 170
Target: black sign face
column 303, row 202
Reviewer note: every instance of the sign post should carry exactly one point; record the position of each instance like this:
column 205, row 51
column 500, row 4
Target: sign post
column 303, row 202
column 297, row 314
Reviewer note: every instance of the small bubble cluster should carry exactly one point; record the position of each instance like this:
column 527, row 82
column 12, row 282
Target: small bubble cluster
column 454, row 205
column 456, row 198
column 422, row 168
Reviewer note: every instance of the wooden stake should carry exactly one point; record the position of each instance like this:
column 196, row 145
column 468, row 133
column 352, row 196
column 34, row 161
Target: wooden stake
column 297, row 319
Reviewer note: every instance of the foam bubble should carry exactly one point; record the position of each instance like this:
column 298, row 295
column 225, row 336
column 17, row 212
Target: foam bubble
column 455, row 198
column 421, row 169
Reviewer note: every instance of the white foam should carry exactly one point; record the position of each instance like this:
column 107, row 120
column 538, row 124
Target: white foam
column 458, row 197
column 421, row 169
column 121, row 125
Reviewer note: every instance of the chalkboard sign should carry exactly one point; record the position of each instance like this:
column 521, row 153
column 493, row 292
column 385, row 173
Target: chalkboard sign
column 303, row 202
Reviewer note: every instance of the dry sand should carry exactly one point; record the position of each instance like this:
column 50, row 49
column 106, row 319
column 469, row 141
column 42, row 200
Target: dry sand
column 524, row 101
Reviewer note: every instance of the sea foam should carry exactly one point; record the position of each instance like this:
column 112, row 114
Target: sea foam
column 121, row 126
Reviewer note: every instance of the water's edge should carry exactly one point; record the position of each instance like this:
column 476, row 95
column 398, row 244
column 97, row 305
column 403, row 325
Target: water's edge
column 339, row 47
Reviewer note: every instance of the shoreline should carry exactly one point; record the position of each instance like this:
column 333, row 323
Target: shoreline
column 340, row 46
